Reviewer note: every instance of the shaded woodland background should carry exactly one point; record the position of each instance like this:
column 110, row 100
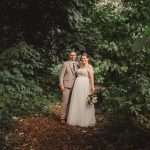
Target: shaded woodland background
column 35, row 37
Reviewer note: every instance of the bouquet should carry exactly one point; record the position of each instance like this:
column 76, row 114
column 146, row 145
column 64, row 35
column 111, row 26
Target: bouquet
column 92, row 99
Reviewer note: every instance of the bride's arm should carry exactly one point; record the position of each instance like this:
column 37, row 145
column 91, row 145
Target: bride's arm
column 91, row 78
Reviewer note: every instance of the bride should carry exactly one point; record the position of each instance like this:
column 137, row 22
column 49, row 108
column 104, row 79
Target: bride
column 80, row 112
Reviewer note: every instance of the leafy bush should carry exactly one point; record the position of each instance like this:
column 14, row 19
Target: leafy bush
column 55, row 72
column 21, row 87
column 115, row 39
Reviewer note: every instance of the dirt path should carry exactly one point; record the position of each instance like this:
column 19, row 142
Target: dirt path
column 46, row 133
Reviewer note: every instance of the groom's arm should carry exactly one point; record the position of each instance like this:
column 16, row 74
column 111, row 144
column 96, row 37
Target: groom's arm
column 61, row 78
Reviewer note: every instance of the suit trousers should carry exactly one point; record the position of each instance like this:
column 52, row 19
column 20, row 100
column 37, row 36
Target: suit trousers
column 65, row 102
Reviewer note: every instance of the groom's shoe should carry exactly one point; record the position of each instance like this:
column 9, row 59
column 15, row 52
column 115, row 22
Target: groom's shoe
column 62, row 121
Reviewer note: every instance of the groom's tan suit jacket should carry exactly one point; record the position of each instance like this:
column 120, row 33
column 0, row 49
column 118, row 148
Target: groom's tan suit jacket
column 67, row 75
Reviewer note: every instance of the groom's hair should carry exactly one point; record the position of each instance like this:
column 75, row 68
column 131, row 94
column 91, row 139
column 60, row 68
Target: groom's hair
column 72, row 51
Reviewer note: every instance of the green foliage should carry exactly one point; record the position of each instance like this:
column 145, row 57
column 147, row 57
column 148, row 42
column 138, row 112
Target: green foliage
column 55, row 72
column 114, row 37
column 22, row 76
column 117, row 39
column 21, row 59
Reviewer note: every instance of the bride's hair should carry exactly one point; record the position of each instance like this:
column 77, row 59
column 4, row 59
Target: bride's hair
column 85, row 54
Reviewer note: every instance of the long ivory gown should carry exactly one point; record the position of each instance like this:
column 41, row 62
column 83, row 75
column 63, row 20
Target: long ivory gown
column 80, row 112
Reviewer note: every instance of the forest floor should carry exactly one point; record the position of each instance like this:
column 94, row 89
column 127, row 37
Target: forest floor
column 46, row 133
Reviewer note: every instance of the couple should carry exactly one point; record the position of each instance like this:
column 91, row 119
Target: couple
column 76, row 84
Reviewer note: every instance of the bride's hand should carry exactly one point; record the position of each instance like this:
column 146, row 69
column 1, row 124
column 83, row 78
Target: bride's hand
column 92, row 89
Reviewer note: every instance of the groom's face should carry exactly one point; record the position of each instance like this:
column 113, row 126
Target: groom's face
column 72, row 56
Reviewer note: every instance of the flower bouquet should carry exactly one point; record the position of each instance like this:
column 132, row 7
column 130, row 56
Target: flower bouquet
column 92, row 99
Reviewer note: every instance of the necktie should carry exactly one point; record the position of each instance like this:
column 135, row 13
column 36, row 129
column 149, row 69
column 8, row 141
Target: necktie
column 74, row 67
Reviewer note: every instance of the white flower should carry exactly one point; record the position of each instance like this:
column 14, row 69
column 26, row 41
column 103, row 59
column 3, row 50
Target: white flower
column 92, row 99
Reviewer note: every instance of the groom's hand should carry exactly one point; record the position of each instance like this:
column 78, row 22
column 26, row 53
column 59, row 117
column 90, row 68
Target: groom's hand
column 62, row 88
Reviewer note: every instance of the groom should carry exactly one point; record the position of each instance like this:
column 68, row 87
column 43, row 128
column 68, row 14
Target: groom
column 67, row 78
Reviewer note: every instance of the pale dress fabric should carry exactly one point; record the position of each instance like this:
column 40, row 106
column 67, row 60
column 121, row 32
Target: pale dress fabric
column 80, row 112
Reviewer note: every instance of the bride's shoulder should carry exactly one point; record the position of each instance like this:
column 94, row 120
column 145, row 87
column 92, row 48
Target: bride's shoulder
column 90, row 68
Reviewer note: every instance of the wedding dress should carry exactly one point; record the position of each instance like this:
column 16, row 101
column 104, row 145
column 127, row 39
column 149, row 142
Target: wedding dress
column 80, row 112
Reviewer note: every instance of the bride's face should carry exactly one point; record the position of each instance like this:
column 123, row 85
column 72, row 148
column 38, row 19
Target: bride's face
column 84, row 59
